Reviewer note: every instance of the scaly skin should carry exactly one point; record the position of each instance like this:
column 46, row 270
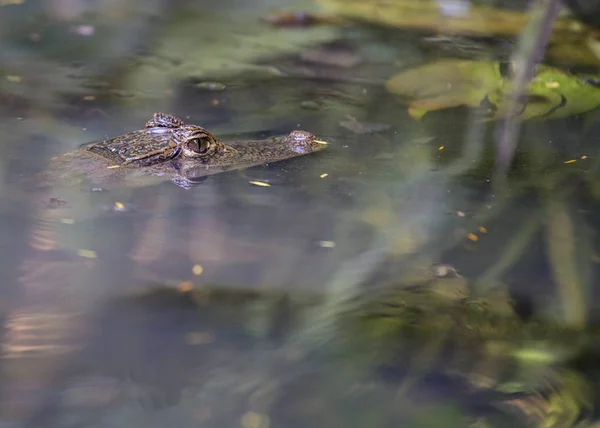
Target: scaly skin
column 169, row 149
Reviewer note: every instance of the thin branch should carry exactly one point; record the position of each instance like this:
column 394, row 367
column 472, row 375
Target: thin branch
column 530, row 51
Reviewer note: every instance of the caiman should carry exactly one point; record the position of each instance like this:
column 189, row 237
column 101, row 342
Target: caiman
column 55, row 300
column 167, row 148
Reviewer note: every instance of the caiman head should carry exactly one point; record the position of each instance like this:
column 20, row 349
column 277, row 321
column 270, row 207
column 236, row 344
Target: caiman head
column 189, row 152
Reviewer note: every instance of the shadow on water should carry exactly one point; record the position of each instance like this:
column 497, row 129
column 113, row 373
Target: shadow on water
column 381, row 282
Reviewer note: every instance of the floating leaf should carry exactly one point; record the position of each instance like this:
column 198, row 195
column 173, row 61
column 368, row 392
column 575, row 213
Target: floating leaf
column 447, row 83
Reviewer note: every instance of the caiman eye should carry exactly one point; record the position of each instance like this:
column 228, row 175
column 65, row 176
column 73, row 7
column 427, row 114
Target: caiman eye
column 198, row 146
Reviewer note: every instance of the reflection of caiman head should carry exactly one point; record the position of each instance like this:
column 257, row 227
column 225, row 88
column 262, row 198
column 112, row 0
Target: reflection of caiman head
column 167, row 138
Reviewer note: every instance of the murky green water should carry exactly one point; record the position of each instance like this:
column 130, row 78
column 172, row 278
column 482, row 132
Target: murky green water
column 224, row 304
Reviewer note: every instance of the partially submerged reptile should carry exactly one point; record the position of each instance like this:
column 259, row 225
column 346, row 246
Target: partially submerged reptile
column 55, row 302
column 168, row 148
